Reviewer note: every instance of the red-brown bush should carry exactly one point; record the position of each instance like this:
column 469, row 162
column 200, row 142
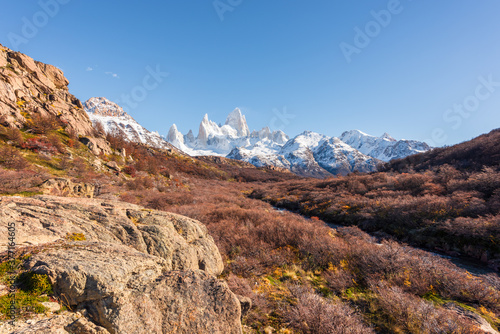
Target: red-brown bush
column 314, row 315
column 12, row 158
column 43, row 124
column 40, row 145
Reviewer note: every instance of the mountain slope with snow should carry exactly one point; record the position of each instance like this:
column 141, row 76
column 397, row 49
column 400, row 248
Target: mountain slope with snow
column 114, row 118
column 384, row 148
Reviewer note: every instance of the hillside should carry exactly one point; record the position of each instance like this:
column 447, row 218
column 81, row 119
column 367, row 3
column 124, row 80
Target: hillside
column 141, row 239
column 471, row 155
column 32, row 92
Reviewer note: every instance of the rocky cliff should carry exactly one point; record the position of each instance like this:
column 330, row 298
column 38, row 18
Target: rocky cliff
column 29, row 87
column 130, row 270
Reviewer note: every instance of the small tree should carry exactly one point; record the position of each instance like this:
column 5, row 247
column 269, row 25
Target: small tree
column 11, row 158
column 43, row 124
column 98, row 129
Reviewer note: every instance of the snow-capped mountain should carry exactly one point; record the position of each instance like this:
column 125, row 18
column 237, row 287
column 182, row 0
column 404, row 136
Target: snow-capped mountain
column 310, row 153
column 114, row 118
column 237, row 121
column 384, row 148
column 219, row 140
column 337, row 157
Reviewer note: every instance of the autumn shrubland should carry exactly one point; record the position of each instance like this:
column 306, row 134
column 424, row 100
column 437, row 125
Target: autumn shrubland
column 447, row 210
column 302, row 275
column 447, row 207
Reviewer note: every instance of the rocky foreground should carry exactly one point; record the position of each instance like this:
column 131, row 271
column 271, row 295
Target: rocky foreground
column 137, row 271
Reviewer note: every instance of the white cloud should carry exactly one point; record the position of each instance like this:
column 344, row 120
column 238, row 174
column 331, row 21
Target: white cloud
column 89, row 69
column 114, row 75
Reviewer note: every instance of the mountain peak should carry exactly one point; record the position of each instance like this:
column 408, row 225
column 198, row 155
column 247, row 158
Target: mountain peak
column 354, row 133
column 114, row 119
column 388, row 137
column 173, row 127
column 236, row 111
column 309, row 153
column 174, row 136
column 237, row 121
column 101, row 106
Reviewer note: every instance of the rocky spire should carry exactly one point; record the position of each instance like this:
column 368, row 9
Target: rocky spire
column 189, row 138
column 238, row 122
column 174, row 136
column 207, row 127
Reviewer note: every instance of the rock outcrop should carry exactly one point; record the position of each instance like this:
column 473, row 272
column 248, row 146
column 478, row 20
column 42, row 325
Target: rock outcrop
column 129, row 269
column 479, row 321
column 183, row 242
column 64, row 323
column 64, row 187
column 127, row 291
column 30, row 87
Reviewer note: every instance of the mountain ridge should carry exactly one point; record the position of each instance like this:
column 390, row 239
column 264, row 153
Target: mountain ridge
column 307, row 154
column 353, row 151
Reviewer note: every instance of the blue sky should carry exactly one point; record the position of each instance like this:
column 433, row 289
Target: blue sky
column 420, row 69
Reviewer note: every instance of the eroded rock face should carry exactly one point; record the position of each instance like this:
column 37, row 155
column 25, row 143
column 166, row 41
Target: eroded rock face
column 28, row 86
column 138, row 271
column 96, row 145
column 183, row 242
column 127, row 291
column 65, row 323
column 64, row 187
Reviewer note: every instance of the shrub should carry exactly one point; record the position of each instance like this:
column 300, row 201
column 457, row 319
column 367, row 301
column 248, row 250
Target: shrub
column 130, row 170
column 117, row 139
column 99, row 130
column 40, row 145
column 12, row 134
column 400, row 310
column 75, row 236
column 12, row 158
column 72, row 137
column 315, row 315
column 54, row 140
column 43, row 124
column 65, row 163
column 164, row 200
column 140, row 183
column 412, row 207
column 18, row 181
column 36, row 284
column 80, row 167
